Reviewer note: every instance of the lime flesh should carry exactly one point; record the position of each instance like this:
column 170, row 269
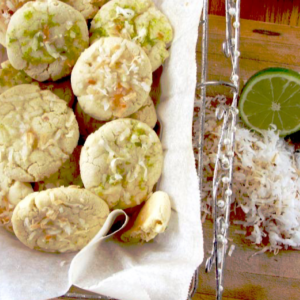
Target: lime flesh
column 272, row 96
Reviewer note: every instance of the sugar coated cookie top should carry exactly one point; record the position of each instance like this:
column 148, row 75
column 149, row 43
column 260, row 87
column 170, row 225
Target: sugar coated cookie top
column 112, row 79
column 38, row 132
column 59, row 220
column 121, row 162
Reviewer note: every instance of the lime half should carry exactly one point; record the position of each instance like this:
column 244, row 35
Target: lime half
column 272, row 96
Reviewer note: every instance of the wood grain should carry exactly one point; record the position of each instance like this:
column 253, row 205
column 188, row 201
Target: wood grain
column 260, row 277
column 274, row 11
column 263, row 45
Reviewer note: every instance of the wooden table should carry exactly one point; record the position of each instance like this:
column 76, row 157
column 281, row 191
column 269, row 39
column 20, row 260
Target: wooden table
column 274, row 11
column 264, row 276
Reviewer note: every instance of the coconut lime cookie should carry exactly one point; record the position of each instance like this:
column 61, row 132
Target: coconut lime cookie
column 38, row 132
column 88, row 125
column 59, row 220
column 11, row 193
column 67, row 175
column 88, row 8
column 153, row 219
column 137, row 20
column 45, row 38
column 121, row 162
column 10, row 77
column 112, row 79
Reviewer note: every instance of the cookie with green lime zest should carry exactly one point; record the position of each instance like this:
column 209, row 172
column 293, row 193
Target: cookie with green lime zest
column 121, row 162
column 139, row 21
column 45, row 39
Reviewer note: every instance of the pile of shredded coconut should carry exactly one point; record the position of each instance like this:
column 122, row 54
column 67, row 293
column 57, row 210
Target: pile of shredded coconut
column 266, row 182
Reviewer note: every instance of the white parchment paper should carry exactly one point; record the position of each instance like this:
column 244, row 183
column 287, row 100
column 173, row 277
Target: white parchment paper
column 161, row 270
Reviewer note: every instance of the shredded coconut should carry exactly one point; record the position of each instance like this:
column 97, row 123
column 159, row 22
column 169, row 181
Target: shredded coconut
column 51, row 50
column 126, row 12
column 69, row 25
column 146, row 87
column 266, row 185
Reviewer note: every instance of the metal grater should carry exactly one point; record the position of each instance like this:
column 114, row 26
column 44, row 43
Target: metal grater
column 222, row 180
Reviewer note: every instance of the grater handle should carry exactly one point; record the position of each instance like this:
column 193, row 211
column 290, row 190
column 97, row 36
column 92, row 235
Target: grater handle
column 223, row 173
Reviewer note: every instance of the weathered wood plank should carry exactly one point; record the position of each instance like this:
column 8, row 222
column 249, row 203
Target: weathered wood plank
column 242, row 285
column 269, row 32
column 258, row 51
column 280, row 11
column 243, row 258
column 261, row 277
column 210, row 297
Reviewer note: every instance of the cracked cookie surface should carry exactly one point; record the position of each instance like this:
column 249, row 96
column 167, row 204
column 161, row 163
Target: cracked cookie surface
column 38, row 132
column 11, row 193
column 121, row 162
column 136, row 20
column 59, row 220
column 45, row 39
column 112, row 78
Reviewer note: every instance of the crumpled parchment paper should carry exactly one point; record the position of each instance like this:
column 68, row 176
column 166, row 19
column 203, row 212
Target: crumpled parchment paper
column 162, row 269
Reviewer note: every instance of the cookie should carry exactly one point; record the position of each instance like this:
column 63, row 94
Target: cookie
column 10, row 77
column 38, row 132
column 11, row 193
column 7, row 9
column 59, row 220
column 136, row 20
column 88, row 125
column 112, row 79
column 45, row 38
column 151, row 220
column 68, row 174
column 88, row 8
column 121, row 162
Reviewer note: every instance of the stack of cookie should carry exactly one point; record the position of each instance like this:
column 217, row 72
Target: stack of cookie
column 62, row 170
